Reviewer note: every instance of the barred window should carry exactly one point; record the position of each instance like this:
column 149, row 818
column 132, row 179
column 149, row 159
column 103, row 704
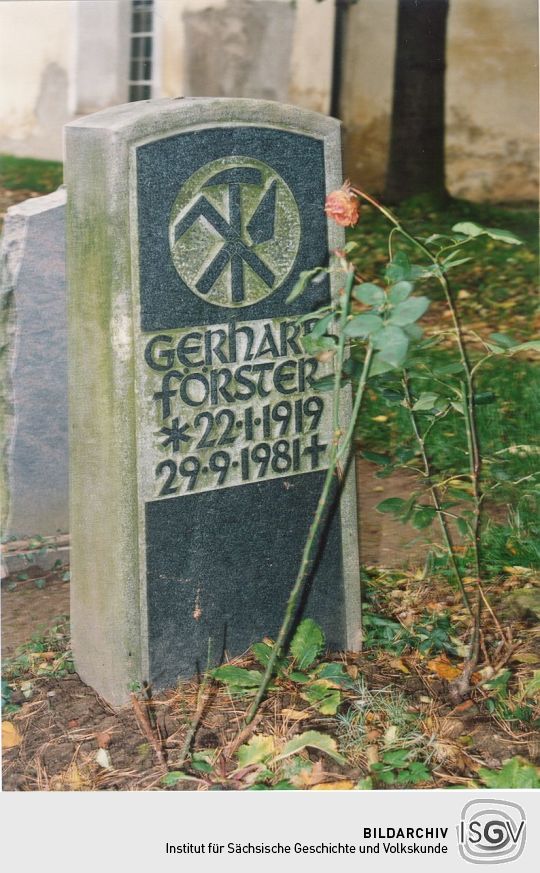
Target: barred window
column 142, row 40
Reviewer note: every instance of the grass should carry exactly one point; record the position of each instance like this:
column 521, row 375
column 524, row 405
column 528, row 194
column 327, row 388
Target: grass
column 30, row 174
column 501, row 281
column 496, row 292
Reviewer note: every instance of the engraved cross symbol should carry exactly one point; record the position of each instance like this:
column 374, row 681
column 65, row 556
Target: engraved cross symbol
column 235, row 249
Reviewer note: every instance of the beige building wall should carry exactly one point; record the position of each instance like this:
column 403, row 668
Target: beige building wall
column 35, row 60
column 366, row 95
column 492, row 99
column 491, row 96
column 63, row 58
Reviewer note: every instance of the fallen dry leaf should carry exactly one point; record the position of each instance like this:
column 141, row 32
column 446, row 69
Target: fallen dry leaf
column 400, row 665
column 525, row 657
column 444, row 669
column 373, row 735
column 103, row 759
column 307, row 778
column 70, row 780
column 483, row 675
column 463, row 707
column 372, row 755
column 344, row 785
column 295, row 714
column 11, row 737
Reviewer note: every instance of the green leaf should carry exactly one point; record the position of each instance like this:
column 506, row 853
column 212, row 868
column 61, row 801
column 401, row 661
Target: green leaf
column 238, row 676
column 471, row 229
column 363, row 325
column 502, row 339
column 321, row 695
column 396, row 758
column 313, row 345
column 400, row 269
column 392, row 344
column 379, row 366
column 258, row 749
column 325, row 383
column 532, row 688
column 387, row 776
column 307, row 643
column 298, row 676
column 516, row 773
column 334, row 671
column 462, row 526
column 496, row 350
column 177, row 776
column 534, row 345
column 39, row 583
column 423, row 517
column 503, row 236
column 418, row 772
column 394, row 505
column 322, row 325
column 312, row 740
column 262, row 653
column 449, row 265
column 484, row 397
column 409, row 311
column 303, row 281
column 365, row 784
column 311, row 316
column 448, row 369
column 202, row 766
column 369, row 293
column 427, row 400
column 66, row 576
column 413, row 331
column 399, row 292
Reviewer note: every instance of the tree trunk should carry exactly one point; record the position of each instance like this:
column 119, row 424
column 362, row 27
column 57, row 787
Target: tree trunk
column 416, row 161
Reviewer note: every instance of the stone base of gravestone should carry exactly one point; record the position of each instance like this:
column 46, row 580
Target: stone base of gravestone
column 34, row 369
column 199, row 440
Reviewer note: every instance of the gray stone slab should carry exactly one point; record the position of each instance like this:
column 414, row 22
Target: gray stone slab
column 34, row 365
column 198, row 446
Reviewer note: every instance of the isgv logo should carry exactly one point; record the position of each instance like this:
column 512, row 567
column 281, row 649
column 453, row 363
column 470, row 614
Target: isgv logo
column 491, row 831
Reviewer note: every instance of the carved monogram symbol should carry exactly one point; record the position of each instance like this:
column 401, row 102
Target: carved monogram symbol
column 234, row 232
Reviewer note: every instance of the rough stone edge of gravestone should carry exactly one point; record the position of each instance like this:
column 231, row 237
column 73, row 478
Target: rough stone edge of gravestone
column 98, row 150
column 131, row 116
column 12, row 248
column 103, row 505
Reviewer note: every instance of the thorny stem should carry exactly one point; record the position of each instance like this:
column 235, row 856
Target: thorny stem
column 202, row 700
column 468, row 387
column 433, row 490
column 340, row 449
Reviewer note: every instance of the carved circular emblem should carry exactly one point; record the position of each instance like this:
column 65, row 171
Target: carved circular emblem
column 234, row 232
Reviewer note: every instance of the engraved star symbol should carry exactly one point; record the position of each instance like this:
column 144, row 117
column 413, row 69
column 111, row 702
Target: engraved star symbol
column 175, row 435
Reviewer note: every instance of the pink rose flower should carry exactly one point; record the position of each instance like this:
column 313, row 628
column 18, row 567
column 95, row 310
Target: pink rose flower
column 342, row 206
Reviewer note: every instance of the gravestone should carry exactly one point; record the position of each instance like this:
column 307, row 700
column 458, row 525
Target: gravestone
column 198, row 442
column 34, row 364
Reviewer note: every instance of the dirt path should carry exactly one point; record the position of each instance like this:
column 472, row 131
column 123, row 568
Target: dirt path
column 29, row 610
